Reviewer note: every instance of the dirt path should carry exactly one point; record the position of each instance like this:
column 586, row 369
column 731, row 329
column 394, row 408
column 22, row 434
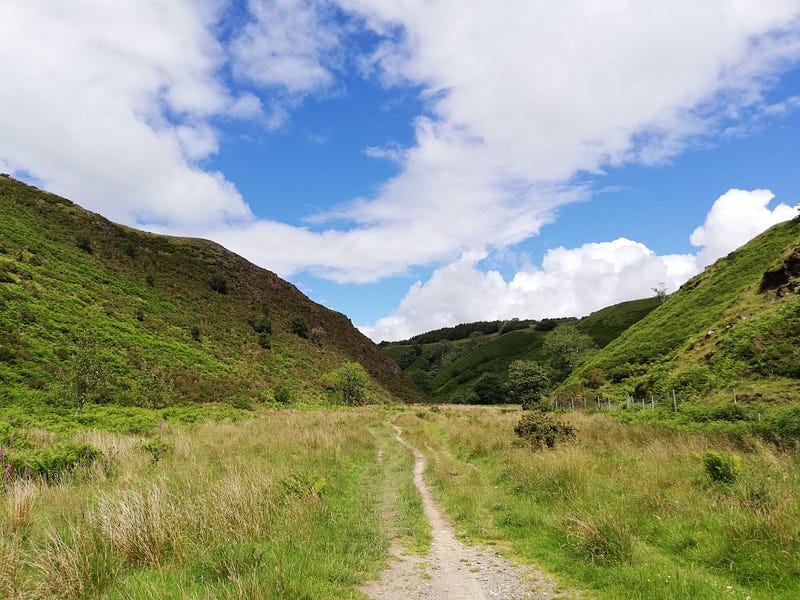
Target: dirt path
column 453, row 571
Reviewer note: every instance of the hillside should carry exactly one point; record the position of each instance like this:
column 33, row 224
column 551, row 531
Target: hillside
column 735, row 328
column 451, row 368
column 183, row 312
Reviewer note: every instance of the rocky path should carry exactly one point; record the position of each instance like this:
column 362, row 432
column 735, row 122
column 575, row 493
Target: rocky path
column 452, row 570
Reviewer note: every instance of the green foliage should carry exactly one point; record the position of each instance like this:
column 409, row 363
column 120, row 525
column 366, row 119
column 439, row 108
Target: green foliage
column 152, row 391
column 721, row 326
column 566, row 348
column 722, row 467
column 539, row 429
column 282, row 394
column 84, row 241
column 527, row 383
column 489, row 389
column 26, row 461
column 56, row 290
column 265, row 340
column 261, row 323
column 218, row 283
column 299, row 326
column 85, row 373
column 351, row 383
column 316, row 335
column 156, row 448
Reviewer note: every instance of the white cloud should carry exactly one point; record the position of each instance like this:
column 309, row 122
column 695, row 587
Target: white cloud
column 286, row 45
column 522, row 96
column 736, row 217
column 577, row 281
column 109, row 106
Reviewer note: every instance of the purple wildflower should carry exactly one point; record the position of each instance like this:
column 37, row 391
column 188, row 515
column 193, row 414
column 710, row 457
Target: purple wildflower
column 8, row 471
column 1, row 454
column 25, row 474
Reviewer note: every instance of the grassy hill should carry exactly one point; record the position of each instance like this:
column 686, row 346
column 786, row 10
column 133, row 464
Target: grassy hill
column 186, row 313
column 449, row 369
column 735, row 328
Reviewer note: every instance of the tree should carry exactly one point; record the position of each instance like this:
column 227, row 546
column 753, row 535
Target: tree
column 660, row 291
column 317, row 335
column 527, row 383
column 489, row 389
column 566, row 348
column 86, row 373
column 351, row 383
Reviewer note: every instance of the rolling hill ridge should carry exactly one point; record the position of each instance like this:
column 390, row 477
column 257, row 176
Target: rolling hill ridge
column 185, row 311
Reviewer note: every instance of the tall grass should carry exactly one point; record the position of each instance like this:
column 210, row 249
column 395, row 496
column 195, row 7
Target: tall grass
column 627, row 510
column 288, row 504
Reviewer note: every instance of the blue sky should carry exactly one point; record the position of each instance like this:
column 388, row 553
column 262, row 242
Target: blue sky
column 420, row 163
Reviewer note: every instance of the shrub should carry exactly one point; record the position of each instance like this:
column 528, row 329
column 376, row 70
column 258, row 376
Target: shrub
column 541, row 429
column 261, row 323
column 282, row 394
column 722, row 467
column 195, row 332
column 265, row 341
column 316, row 335
column 218, row 283
column 84, row 242
column 299, row 326
column 351, row 383
column 156, row 449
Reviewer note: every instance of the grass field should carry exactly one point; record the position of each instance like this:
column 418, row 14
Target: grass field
column 303, row 503
column 275, row 504
column 626, row 510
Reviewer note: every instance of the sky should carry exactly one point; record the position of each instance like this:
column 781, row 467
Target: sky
column 416, row 164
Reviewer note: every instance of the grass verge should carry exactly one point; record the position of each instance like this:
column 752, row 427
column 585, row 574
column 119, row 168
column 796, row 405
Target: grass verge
column 626, row 511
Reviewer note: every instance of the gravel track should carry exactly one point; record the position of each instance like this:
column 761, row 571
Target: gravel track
column 452, row 570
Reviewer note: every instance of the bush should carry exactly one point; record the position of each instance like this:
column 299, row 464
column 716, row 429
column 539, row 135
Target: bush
column 299, row 326
column 218, row 283
column 722, row 467
column 195, row 332
column 265, row 341
column 84, row 242
column 261, row 323
column 541, row 429
column 282, row 394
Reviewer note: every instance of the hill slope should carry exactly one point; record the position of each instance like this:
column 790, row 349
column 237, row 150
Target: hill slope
column 450, row 369
column 734, row 327
column 183, row 310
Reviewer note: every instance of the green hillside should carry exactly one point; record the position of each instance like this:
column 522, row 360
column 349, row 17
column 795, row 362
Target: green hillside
column 186, row 314
column 735, row 328
column 450, row 369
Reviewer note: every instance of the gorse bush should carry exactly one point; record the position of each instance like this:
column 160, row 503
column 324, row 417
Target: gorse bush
column 722, row 467
column 543, row 429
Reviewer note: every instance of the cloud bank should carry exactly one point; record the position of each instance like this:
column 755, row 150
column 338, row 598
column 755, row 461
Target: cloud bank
column 521, row 99
column 577, row 281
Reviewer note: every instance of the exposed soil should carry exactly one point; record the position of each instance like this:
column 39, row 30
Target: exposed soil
column 453, row 570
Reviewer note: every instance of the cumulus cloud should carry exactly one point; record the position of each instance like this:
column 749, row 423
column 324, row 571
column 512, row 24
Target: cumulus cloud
column 576, row 281
column 521, row 97
column 736, row 217
column 115, row 117
column 286, row 45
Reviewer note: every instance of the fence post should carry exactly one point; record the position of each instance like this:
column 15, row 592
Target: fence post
column 734, row 396
column 572, row 403
column 674, row 401
column 608, row 403
column 642, row 402
column 652, row 403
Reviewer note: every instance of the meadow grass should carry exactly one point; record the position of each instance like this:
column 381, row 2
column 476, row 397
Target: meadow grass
column 285, row 504
column 626, row 511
